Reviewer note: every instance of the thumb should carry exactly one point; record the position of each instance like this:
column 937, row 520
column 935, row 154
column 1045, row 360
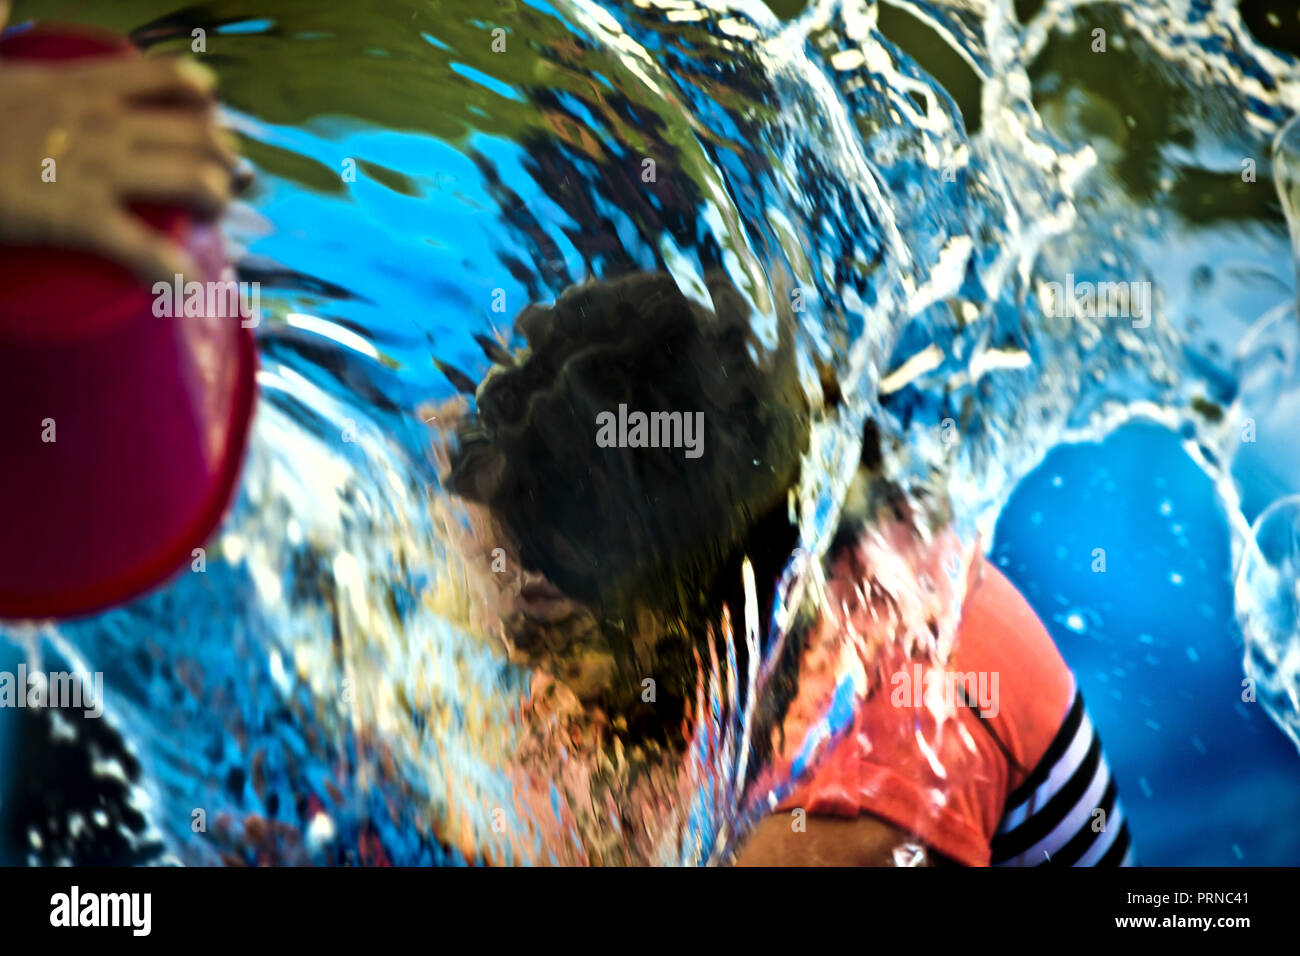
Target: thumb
column 151, row 255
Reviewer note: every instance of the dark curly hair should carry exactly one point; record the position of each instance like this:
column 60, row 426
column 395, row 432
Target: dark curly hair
column 620, row 526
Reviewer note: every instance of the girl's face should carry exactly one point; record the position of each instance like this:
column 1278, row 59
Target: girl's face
column 540, row 627
column 568, row 640
column 547, row 630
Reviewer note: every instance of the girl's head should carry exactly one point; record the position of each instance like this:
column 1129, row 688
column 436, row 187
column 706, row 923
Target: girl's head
column 614, row 526
column 624, row 530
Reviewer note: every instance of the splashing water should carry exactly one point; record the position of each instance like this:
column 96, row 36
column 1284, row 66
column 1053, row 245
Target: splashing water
column 327, row 690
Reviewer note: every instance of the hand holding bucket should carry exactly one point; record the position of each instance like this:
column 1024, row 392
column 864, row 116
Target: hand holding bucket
column 123, row 414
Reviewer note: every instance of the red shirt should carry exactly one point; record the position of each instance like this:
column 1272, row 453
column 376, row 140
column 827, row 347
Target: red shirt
column 946, row 784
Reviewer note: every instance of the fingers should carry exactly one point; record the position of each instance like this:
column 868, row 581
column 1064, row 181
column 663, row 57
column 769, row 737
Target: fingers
column 168, row 154
column 203, row 187
column 151, row 255
column 174, row 79
column 179, row 156
column 171, row 131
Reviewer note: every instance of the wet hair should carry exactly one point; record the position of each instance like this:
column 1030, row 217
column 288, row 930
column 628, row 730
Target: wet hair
column 617, row 526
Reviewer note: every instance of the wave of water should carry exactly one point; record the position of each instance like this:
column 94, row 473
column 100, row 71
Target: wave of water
column 325, row 691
